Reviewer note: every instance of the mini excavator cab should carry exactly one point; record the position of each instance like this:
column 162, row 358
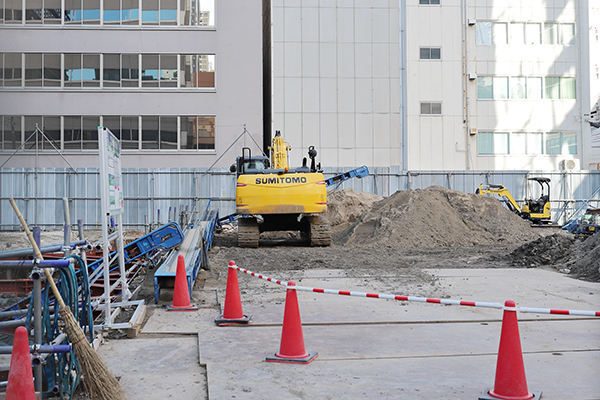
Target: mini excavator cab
column 541, row 206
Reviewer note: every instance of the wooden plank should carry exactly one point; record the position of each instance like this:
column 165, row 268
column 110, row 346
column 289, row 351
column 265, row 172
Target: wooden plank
column 136, row 325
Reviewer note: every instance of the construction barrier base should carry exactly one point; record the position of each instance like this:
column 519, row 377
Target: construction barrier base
column 537, row 394
column 237, row 321
column 191, row 307
column 304, row 360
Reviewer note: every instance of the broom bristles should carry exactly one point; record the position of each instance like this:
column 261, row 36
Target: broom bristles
column 99, row 382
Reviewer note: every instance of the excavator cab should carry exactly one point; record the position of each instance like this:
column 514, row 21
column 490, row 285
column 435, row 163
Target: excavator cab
column 539, row 209
column 246, row 164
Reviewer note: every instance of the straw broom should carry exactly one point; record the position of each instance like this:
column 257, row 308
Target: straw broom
column 98, row 380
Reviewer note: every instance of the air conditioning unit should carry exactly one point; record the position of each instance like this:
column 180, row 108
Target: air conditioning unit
column 568, row 165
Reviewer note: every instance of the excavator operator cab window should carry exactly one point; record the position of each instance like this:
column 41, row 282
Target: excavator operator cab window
column 252, row 164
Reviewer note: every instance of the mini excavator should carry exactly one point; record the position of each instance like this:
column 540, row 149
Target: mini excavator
column 536, row 211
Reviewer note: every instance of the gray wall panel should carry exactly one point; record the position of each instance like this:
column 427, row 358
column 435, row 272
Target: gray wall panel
column 39, row 194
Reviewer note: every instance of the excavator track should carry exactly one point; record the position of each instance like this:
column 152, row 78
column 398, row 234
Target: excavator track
column 320, row 230
column 248, row 233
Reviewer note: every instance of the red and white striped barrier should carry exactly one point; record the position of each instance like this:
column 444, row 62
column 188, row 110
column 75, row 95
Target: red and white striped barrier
column 422, row 299
column 372, row 295
column 559, row 312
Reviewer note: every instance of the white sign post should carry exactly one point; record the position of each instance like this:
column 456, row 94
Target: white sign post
column 111, row 199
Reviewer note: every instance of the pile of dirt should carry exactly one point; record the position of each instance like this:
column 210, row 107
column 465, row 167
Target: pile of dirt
column 436, row 217
column 578, row 256
column 344, row 207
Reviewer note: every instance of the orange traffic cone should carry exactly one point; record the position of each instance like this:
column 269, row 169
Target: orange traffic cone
column 181, row 293
column 510, row 381
column 232, row 310
column 292, row 349
column 20, row 377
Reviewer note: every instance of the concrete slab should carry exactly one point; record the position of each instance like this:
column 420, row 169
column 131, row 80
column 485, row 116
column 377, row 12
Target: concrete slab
column 157, row 367
column 369, row 348
column 386, row 349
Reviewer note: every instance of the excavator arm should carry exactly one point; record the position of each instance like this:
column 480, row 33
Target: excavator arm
column 501, row 191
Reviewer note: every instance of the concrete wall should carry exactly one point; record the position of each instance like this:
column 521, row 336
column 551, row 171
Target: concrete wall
column 336, row 80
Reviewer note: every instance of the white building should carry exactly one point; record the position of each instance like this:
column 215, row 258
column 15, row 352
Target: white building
column 437, row 84
column 176, row 80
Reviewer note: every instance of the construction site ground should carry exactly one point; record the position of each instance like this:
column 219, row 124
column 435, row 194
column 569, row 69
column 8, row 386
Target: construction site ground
column 367, row 348
column 433, row 243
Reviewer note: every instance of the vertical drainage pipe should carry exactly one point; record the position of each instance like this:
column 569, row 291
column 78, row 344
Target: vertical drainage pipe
column 403, row 94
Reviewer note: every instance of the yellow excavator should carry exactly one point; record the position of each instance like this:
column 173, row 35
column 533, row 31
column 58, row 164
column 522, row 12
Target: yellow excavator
column 271, row 196
column 536, row 211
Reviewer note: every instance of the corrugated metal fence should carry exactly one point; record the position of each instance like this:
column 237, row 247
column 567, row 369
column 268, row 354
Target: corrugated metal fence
column 157, row 195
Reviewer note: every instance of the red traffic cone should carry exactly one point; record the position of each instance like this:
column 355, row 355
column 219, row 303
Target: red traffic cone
column 232, row 310
column 510, row 383
column 292, row 349
column 20, row 377
column 181, row 293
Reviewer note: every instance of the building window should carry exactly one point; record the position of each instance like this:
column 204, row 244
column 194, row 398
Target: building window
column 534, row 88
column 531, row 88
column 567, row 88
column 431, row 108
column 429, row 2
column 13, row 11
column 43, row 12
column 529, row 143
column 197, row 13
column 492, row 143
column 492, row 33
column 159, row 70
column 500, row 89
column 533, row 33
column 118, row 70
column 550, row 33
column 198, row 71
column 12, row 74
column 197, row 133
column 79, row 12
column 33, row 70
column 535, row 143
column 518, row 87
column 82, row 70
column 114, row 12
column 81, row 132
column 517, row 33
column 430, row 53
column 567, row 34
column 484, row 87
column 561, row 143
column 159, row 12
column 11, row 132
column 518, row 143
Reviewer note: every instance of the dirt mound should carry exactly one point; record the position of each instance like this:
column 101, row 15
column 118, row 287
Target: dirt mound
column 344, row 207
column 549, row 250
column 436, row 217
column 578, row 256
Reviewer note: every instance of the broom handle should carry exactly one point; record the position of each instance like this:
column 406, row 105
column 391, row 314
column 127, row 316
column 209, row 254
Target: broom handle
column 38, row 254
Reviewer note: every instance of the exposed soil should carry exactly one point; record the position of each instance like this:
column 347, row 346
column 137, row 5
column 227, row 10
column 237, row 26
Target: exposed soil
column 413, row 230
column 576, row 255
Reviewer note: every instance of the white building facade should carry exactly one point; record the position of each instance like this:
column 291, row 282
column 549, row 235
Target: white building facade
column 176, row 80
column 438, row 84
